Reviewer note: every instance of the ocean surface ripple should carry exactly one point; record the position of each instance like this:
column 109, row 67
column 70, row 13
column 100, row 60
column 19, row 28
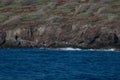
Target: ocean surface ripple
column 59, row 64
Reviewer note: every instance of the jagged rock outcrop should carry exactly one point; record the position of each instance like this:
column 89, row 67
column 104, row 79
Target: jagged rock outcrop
column 60, row 23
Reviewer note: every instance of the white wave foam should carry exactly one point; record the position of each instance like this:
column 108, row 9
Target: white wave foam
column 100, row 49
column 78, row 49
column 70, row 49
column 109, row 49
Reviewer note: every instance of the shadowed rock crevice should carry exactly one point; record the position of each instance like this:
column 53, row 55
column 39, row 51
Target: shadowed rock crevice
column 116, row 39
column 2, row 38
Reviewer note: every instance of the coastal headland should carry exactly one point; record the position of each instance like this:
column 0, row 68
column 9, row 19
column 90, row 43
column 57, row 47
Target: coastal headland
column 86, row 24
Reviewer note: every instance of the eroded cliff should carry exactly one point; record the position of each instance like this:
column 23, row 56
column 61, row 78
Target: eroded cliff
column 60, row 23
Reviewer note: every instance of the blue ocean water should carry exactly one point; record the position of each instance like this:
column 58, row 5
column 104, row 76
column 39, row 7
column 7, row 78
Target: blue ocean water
column 48, row 64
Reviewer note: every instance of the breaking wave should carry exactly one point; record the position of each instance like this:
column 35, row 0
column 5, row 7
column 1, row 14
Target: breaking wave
column 70, row 49
column 78, row 49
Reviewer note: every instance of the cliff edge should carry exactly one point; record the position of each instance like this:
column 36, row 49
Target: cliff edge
column 60, row 23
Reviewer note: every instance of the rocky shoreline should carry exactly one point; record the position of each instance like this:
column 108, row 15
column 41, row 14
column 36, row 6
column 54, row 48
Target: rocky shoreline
column 107, row 38
column 56, row 25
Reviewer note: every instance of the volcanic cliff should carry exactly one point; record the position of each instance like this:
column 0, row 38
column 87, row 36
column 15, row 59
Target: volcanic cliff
column 60, row 23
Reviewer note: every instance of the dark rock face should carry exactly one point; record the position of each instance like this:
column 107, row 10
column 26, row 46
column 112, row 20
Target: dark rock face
column 61, row 36
column 2, row 38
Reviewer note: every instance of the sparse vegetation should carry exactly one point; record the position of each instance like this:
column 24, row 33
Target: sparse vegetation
column 31, row 9
column 3, row 18
column 64, row 10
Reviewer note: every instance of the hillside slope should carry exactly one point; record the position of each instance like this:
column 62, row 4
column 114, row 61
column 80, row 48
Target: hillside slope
column 60, row 23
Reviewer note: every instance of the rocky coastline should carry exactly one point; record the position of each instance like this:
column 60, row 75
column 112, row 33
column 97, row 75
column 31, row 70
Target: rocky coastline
column 85, row 24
